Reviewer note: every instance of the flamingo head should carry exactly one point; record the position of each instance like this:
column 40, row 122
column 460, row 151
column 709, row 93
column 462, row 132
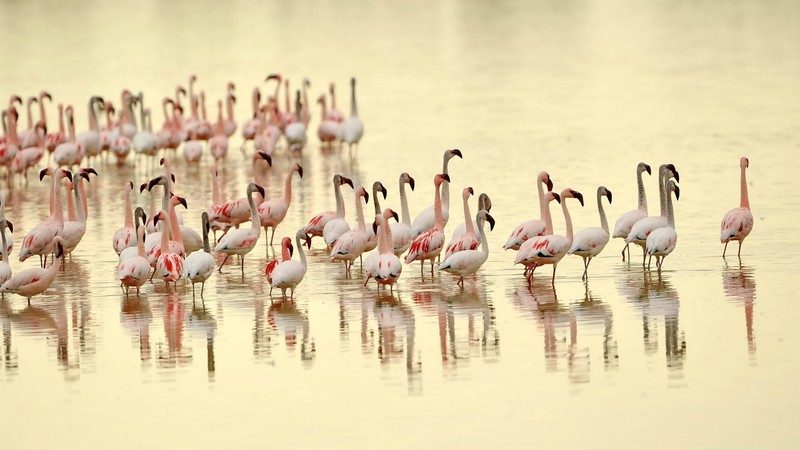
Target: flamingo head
column 178, row 200
column 406, row 178
column 231, row 86
column 274, row 76
column 743, row 162
column 483, row 214
column 375, row 224
column 6, row 224
column 550, row 196
column 40, row 125
column 45, row 95
column 362, row 192
column 14, row 99
column 672, row 187
column 161, row 215
column 602, row 190
column 454, row 152
column 484, row 202
column 265, row 157
column 545, row 177
column 87, row 171
column 568, row 192
column 59, row 246
column 388, row 212
column 252, row 187
column 467, row 192
column 441, row 178
column 139, row 213
column 344, row 180
column 12, row 113
column 156, row 181
column 643, row 167
column 674, row 171
column 379, row 187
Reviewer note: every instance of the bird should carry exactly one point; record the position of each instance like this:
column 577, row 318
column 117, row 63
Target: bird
column 8, row 233
column 351, row 244
column 290, row 273
column 328, row 129
column 372, row 238
column 89, row 139
column 295, row 132
column 333, row 113
column 11, row 144
column 139, row 217
column 535, row 227
column 36, row 280
column 625, row 222
column 272, row 212
column 549, row 249
column 467, row 262
column 468, row 240
column 229, row 126
column 169, row 265
column 39, row 240
column 527, row 246
column 236, row 212
column 661, row 241
column 383, row 264
column 199, row 266
column 250, row 126
column 5, row 268
column 134, row 271
column 75, row 229
column 242, row 240
column 642, row 228
column 70, row 152
column 124, row 236
column 428, row 245
column 352, row 129
column 589, row 242
column 401, row 231
column 738, row 222
column 331, row 224
column 219, row 141
column 484, row 203
column 424, row 219
column 287, row 250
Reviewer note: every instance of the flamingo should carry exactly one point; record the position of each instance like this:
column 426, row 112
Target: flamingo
column 140, row 218
column 401, row 231
column 144, row 141
column 424, row 219
column 372, row 238
column 127, row 120
column 5, row 268
column 70, row 152
column 123, row 237
column 589, row 242
column 203, row 131
column 169, row 265
column 468, row 240
column 527, row 246
column 383, row 264
column 9, row 148
column 57, row 137
column 352, row 129
column 105, row 130
column 39, row 241
column 26, row 140
column 532, row 228
column 625, row 222
column 229, row 126
column 273, row 211
column 199, row 266
column 135, row 270
column 164, row 136
column 286, row 255
column 429, row 244
column 35, row 280
column 549, row 249
column 241, row 241
column 641, row 229
column 468, row 261
column 333, row 113
column 31, row 155
column 219, row 141
column 295, row 132
column 288, row 274
column 250, row 126
column 328, row 224
column 8, row 233
column 191, row 241
column 120, row 144
column 351, row 244
column 89, row 140
column 305, row 112
column 75, row 229
column 235, row 212
column 738, row 222
column 32, row 140
column 484, row 203
column 328, row 129
column 661, row 241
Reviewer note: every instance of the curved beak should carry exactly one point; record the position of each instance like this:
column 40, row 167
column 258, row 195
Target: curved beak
column 396, row 217
column 608, row 194
column 446, row 177
column 471, row 191
column 154, row 182
column 59, row 250
column 300, row 170
column 183, row 202
column 156, row 218
column 291, row 249
column 43, row 172
column 557, row 197
column 677, row 193
column 84, row 175
column 142, row 187
column 647, row 168
column 366, row 196
column 375, row 227
column 549, row 183
column 161, row 162
column 261, row 190
column 490, row 219
column 273, row 76
column 411, row 182
column 457, row 152
column 384, row 191
column 68, row 174
column 577, row 195
column 674, row 172
column 308, row 242
column 266, row 158
column 346, row 180
column 89, row 170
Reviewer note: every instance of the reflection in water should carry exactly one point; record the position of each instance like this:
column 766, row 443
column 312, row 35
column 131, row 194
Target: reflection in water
column 541, row 301
column 201, row 323
column 393, row 317
column 284, row 317
column 136, row 316
column 459, row 304
column 740, row 286
column 590, row 312
column 175, row 355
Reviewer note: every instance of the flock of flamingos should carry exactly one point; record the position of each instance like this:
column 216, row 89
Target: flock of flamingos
column 156, row 244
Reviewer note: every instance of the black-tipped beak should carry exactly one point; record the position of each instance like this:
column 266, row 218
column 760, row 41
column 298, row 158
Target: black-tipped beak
column 300, row 170
column 154, row 182
column 747, row 162
column 471, row 191
column 608, row 194
column 557, row 197
column 346, row 180
column 291, row 250
column 677, row 193
column 674, row 172
column 10, row 226
column 161, row 162
column 374, row 227
column 266, row 158
column 647, row 168
column 89, row 170
column 142, row 187
column 273, row 76
column 308, row 242
column 411, row 182
column 549, row 184
column 446, row 177
column 156, row 219
column 490, row 219
column 457, row 152
column 396, row 217
column 68, row 174
column 261, row 191
column 366, row 196
column 172, row 177
column 84, row 175
column 59, row 250
column 233, row 99
column 384, row 191
column 42, row 173
column 183, row 202
column 577, row 195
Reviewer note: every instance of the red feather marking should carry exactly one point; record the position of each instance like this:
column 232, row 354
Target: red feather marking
column 271, row 267
column 34, row 280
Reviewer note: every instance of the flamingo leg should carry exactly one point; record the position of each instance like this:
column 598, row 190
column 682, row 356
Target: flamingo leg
column 726, row 248
column 223, row 263
column 202, row 288
column 431, row 267
column 650, row 259
column 585, row 268
column 272, row 236
column 739, row 254
column 553, row 281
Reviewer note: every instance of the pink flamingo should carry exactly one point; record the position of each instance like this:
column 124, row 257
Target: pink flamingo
column 74, row 229
column 550, row 249
column 219, row 141
column 135, row 271
column 32, row 140
column 532, row 228
column 123, row 237
column 56, row 138
column 350, row 244
column 36, row 280
column 70, row 152
column 661, row 241
column 199, row 266
column 352, row 129
column 467, row 241
column 401, row 232
column 250, row 126
column 31, row 155
column 467, row 262
column 589, row 242
column 286, row 255
column 484, row 203
column 372, row 238
column 236, row 212
column 169, row 265
column 26, row 140
column 424, row 219
column 105, row 130
column 526, row 247
column 330, row 225
column 90, row 139
column 333, row 113
column 288, row 274
column 305, row 112
column 5, row 268
column 216, row 197
column 429, row 244
column 229, row 126
column 203, row 130
column 328, row 129
column 625, row 222
column 39, row 241
column 738, row 222
column 273, row 211
column 9, row 148
column 295, row 131
column 9, row 232
column 242, row 241
column 383, row 264
column 641, row 229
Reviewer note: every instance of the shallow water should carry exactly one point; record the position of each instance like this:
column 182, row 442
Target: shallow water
column 701, row 353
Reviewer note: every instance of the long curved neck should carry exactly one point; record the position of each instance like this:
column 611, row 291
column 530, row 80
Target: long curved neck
column 79, row 199
column 548, row 219
column 58, row 206
column 360, row 214
column 438, row 219
column 206, row 245
column 140, row 242
column 482, row 232
column 12, row 129
column 30, row 112
column 745, row 200
column 255, row 221
column 568, row 219
column 324, row 108
column 339, row 201
column 386, row 246
column 61, row 118
column 71, row 214
column 92, row 117
column 470, row 227
column 300, row 250
column 3, row 256
column 543, row 206
column 42, row 113
column 52, row 270
column 287, row 190
column 165, row 235
column 175, row 227
column 670, row 211
column 404, row 204
column 353, row 106
column 662, row 191
column 375, row 200
column 229, row 107
column 446, row 184
column 642, row 195
column 603, row 220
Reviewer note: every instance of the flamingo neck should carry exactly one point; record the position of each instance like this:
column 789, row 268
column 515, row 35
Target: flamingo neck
column 84, row 200
column 285, row 255
column 302, row 253
column 3, row 256
column 42, row 112
column 175, row 227
column 333, row 97
column 745, row 200
column 255, row 220
column 603, row 220
column 206, row 245
column 165, row 234
column 52, row 270
column 548, row 219
column 30, row 113
column 568, row 219
column 324, row 108
column 58, row 206
column 438, row 220
column 446, row 184
column 670, row 211
column 404, row 204
column 375, row 200
column 482, row 232
column 287, row 190
column 543, row 206
column 642, row 194
column 353, row 106
column 386, row 246
column 71, row 215
column 71, row 129
column 662, row 191
column 61, row 119
column 218, row 128
column 81, row 212
column 339, row 200
column 215, row 189
column 93, row 117
column 140, row 242
column 13, row 139
column 468, row 224
column 360, row 214
column 229, row 107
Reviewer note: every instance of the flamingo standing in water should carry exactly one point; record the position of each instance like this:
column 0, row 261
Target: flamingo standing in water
column 9, row 148
column 199, row 266
column 286, row 255
column 333, row 113
column 625, row 222
column 75, row 229
column 169, row 265
column 135, row 270
column 429, row 244
column 123, row 237
column 484, row 203
column 468, row 240
column 5, row 268
column 641, row 229
column 219, row 141
column 352, row 129
column 26, row 140
column 661, row 241
column 549, row 249
column 35, row 280
column 250, row 126
column 328, row 129
column 467, row 262
column 229, row 126
column 589, row 242
column 288, row 274
column 70, row 152
column 242, row 241
column 273, row 211
column 9, row 235
column 372, row 238
column 236, row 212
column 383, row 264
column 738, row 222
column 30, row 156
column 401, row 231
column 55, row 138
column 424, row 219
column 39, row 241
column 351, row 244
column 536, row 227
column 89, row 140
column 295, row 132
column 331, row 224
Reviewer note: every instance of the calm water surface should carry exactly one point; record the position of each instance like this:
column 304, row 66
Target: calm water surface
column 701, row 355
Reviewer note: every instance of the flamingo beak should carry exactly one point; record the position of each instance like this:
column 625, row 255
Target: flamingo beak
column 183, row 202
column 471, row 191
column 446, row 177
column 608, row 194
column 674, row 172
column 457, row 152
column 411, row 182
column 346, row 180
column 10, row 226
column 647, row 168
column 89, row 170
column 154, row 182
column 156, row 218
column 490, row 219
column 261, row 191
column 161, row 162
column 266, row 158
column 375, row 227
column 233, row 99
column 549, row 184
column 68, row 175
column 366, row 196
column 396, row 217
column 43, row 172
column 291, row 250
column 557, row 197
column 84, row 175
column 300, row 170
column 273, row 76
column 577, row 195
column 308, row 241
column 384, row 191
column 142, row 187
column 677, row 193
column 59, row 250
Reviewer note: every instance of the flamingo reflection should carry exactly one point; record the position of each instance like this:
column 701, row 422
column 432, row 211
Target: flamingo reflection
column 175, row 354
column 284, row 317
column 40, row 321
column 136, row 316
column 201, row 323
column 393, row 316
column 740, row 287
